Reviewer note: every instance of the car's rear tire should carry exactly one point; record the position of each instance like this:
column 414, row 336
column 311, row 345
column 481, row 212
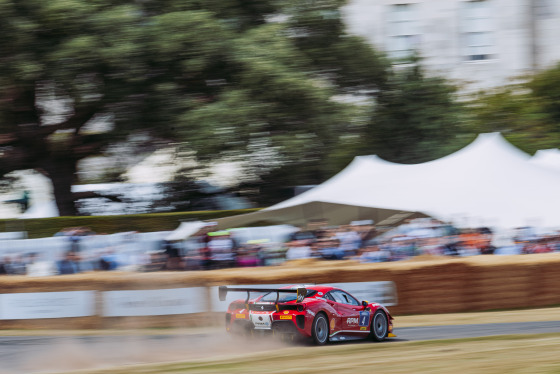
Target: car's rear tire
column 320, row 329
column 379, row 326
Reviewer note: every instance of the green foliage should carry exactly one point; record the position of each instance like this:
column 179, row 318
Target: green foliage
column 348, row 61
column 416, row 118
column 545, row 88
column 228, row 79
column 528, row 114
column 45, row 227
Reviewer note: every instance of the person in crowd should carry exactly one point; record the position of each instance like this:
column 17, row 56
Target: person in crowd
column 516, row 248
column 470, row 242
column 18, row 265
column 554, row 241
column 37, row 267
column 401, row 247
column 451, row 245
column 298, row 249
column 487, row 248
column 5, row 268
column 249, row 255
column 222, row 249
column 365, row 229
column 372, row 253
column 69, row 264
column 537, row 246
column 349, row 240
column 174, row 258
column 434, row 246
column 331, row 249
column 485, row 241
column 198, row 255
column 157, row 261
column 75, row 235
column 306, row 235
column 108, row 260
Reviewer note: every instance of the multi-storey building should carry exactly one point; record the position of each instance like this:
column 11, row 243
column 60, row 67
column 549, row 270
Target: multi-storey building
column 477, row 43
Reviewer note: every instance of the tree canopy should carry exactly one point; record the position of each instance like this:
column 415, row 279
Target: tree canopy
column 528, row 113
column 222, row 77
column 416, row 118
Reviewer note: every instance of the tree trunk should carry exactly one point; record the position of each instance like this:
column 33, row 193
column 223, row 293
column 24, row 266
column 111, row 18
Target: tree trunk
column 62, row 174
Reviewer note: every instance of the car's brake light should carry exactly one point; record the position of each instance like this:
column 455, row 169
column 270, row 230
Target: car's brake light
column 300, row 307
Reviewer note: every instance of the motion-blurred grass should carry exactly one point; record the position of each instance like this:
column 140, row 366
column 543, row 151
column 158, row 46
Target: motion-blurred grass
column 504, row 354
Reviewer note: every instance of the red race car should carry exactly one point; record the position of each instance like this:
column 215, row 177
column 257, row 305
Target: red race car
column 322, row 313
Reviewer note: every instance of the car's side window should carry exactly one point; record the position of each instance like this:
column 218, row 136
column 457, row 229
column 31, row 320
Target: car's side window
column 344, row 298
column 348, row 299
column 338, row 297
column 328, row 296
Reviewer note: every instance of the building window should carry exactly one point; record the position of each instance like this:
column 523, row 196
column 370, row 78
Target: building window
column 403, row 36
column 477, row 30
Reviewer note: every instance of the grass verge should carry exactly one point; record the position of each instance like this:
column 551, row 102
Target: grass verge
column 503, row 354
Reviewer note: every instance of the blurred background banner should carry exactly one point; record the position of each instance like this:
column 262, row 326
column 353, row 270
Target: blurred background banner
column 35, row 305
column 154, row 302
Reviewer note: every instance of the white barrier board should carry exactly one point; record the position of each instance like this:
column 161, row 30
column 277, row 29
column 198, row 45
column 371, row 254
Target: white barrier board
column 384, row 292
column 35, row 305
column 154, row 302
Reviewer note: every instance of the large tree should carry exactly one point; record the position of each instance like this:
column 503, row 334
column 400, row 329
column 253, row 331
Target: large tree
column 295, row 127
column 70, row 73
column 226, row 78
column 416, row 117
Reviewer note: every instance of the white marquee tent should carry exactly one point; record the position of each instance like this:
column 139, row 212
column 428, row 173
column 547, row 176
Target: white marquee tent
column 488, row 183
column 549, row 158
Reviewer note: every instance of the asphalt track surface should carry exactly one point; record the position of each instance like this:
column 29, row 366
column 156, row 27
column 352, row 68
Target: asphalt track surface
column 40, row 354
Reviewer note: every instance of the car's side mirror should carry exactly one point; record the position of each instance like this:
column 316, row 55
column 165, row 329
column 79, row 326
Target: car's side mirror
column 365, row 303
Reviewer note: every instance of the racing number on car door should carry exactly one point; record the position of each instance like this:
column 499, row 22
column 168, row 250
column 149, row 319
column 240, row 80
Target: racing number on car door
column 364, row 318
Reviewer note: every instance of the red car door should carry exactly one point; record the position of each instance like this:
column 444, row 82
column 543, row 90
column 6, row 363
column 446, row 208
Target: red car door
column 354, row 319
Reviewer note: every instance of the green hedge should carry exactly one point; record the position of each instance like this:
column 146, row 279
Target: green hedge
column 45, row 227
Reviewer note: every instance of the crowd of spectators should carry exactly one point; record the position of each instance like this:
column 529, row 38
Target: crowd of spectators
column 77, row 255
column 360, row 241
column 207, row 249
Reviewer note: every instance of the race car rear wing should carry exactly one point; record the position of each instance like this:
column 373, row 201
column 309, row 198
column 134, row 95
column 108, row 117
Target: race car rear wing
column 301, row 292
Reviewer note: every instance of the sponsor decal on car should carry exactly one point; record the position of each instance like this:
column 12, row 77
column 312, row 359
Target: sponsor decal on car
column 285, row 317
column 310, row 312
column 352, row 321
column 261, row 320
column 363, row 328
column 239, row 315
column 332, row 324
column 286, row 312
